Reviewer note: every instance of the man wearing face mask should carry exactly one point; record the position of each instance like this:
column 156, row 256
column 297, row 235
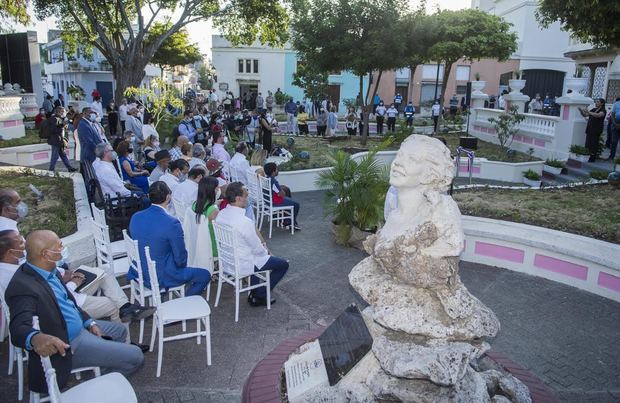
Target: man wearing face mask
column 88, row 136
column 112, row 304
column 177, row 173
column 134, row 124
column 187, row 191
column 186, row 127
column 111, row 184
column 58, row 139
column 219, row 152
column 166, row 243
column 68, row 335
column 12, row 208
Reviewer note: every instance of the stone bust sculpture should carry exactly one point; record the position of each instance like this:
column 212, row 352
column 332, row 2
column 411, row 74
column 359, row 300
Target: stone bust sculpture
column 422, row 239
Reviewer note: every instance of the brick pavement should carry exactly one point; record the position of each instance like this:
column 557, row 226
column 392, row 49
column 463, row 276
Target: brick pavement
column 564, row 336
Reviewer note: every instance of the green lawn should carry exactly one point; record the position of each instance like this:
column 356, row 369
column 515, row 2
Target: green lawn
column 591, row 210
column 31, row 137
column 55, row 212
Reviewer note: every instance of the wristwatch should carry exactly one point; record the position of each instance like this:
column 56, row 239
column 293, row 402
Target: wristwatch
column 93, row 323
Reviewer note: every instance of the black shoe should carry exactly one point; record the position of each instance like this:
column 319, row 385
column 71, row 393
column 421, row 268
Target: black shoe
column 72, row 170
column 133, row 313
column 143, row 347
column 255, row 301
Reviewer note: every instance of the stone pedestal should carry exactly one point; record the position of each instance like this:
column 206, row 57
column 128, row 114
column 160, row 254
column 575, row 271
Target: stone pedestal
column 11, row 118
column 28, row 105
column 571, row 129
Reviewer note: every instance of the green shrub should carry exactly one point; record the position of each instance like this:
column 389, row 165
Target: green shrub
column 31, row 137
column 579, row 150
column 617, row 161
column 531, row 175
column 599, row 175
column 555, row 163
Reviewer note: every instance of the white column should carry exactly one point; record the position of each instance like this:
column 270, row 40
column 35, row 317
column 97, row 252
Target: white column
column 515, row 97
column 571, row 129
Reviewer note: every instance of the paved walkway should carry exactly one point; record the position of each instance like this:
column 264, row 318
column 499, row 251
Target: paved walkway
column 567, row 337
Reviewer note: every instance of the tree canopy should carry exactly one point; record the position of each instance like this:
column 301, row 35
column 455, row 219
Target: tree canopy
column 14, row 10
column 594, row 21
column 471, row 35
column 174, row 51
column 119, row 28
column 313, row 81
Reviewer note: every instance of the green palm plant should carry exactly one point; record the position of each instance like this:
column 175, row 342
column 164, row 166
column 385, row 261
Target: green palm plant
column 355, row 192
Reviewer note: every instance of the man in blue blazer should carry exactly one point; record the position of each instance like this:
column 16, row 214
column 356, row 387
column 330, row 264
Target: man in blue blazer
column 163, row 234
column 88, row 136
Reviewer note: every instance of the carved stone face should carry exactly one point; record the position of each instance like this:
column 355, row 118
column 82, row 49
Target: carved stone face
column 422, row 160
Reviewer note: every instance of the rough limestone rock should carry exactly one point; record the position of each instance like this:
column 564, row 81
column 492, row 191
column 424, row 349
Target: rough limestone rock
column 426, row 326
column 500, row 399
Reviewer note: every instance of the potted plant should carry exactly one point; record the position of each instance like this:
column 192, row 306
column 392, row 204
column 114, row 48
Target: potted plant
column 553, row 166
column 577, row 84
column 354, row 197
column 531, row 178
column 477, row 86
column 76, row 92
column 579, row 153
column 617, row 163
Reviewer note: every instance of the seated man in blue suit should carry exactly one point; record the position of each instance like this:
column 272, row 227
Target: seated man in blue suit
column 88, row 135
column 163, row 234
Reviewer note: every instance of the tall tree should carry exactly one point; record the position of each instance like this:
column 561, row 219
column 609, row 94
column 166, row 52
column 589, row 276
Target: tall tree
column 119, row 28
column 470, row 35
column 174, row 51
column 313, row 81
column 355, row 35
column 14, row 10
column 594, row 21
column 204, row 81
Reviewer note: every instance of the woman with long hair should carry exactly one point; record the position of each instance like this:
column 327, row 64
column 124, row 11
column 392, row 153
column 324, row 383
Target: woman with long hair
column 206, row 205
column 594, row 127
column 266, row 129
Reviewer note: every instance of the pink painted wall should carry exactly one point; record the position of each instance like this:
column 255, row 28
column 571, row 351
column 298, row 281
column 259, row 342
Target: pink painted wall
column 499, row 252
column 561, row 267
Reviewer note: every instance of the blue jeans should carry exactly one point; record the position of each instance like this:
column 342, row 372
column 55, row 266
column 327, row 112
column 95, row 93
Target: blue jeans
column 111, row 355
column 57, row 152
column 198, row 278
column 615, row 136
column 290, row 202
column 278, row 267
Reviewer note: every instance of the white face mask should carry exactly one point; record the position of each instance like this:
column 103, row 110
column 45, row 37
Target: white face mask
column 225, row 139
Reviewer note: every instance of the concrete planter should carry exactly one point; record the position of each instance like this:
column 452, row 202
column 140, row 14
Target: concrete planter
column 30, row 155
column 532, row 183
column 579, row 157
column 81, row 243
column 552, row 170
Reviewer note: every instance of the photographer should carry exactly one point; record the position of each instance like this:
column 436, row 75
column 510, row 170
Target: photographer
column 56, row 137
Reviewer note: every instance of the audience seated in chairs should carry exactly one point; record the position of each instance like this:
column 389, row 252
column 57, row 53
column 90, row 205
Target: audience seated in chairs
column 137, row 177
column 68, row 335
column 215, row 170
column 199, row 155
column 186, row 191
column 113, row 304
column 177, row 173
column 166, row 243
column 111, row 184
column 252, row 252
column 239, row 164
column 162, row 159
column 281, row 194
column 175, row 152
column 186, row 152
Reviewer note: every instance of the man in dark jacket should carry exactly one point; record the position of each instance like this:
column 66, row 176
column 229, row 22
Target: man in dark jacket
column 67, row 334
column 88, row 135
column 57, row 138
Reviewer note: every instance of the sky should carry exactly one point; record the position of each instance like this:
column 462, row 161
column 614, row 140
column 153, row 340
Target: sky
column 200, row 32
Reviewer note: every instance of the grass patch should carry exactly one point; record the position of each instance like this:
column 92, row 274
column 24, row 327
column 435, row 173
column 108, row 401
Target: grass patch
column 319, row 150
column 56, row 212
column 591, row 210
column 31, row 137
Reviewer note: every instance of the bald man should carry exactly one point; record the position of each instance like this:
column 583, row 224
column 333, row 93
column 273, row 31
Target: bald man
column 12, row 208
column 67, row 334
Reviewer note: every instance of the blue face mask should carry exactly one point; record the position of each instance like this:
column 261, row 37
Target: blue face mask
column 64, row 255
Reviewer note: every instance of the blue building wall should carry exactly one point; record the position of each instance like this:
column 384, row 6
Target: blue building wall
column 349, row 83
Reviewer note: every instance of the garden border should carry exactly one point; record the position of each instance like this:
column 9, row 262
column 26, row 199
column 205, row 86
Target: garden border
column 578, row 261
column 80, row 243
column 30, row 155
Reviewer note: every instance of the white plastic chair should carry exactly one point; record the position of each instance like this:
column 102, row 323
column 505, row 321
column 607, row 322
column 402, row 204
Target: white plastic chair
column 103, row 251
column 230, row 270
column 138, row 292
column 226, row 170
column 109, row 388
column 255, row 199
column 176, row 310
column 118, row 247
column 16, row 354
column 279, row 214
column 234, row 176
column 179, row 209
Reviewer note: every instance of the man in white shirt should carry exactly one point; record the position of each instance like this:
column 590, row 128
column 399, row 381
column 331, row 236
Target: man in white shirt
column 114, row 304
column 12, row 208
column 122, row 113
column 253, row 254
column 239, row 164
column 187, row 191
column 162, row 158
column 111, row 184
column 218, row 151
column 213, row 98
column 175, row 152
column 435, row 112
column 177, row 173
column 97, row 106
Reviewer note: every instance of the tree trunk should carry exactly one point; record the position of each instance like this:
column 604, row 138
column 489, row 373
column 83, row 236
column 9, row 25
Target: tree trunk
column 368, row 108
column 444, row 87
column 412, row 70
column 127, row 76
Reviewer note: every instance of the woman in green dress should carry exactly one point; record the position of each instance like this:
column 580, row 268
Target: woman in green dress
column 207, row 204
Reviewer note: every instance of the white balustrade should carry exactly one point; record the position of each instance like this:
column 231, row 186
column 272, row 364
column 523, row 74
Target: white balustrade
column 11, row 118
column 28, row 105
column 539, row 124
